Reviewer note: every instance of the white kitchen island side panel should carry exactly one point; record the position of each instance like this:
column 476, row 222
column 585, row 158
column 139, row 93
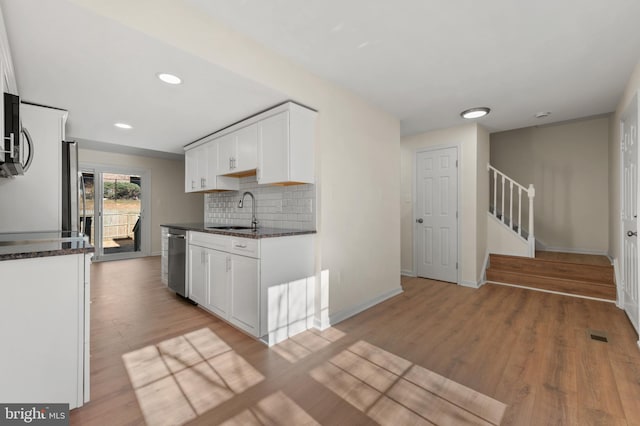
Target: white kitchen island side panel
column 287, row 282
column 42, row 327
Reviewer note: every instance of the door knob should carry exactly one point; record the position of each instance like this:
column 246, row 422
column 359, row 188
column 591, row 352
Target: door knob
column 419, row 220
column 632, row 234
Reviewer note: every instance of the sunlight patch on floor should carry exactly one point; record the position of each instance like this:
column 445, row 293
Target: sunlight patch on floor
column 276, row 409
column 304, row 344
column 181, row 378
column 392, row 390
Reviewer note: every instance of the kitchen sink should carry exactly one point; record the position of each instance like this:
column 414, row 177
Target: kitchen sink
column 229, row 228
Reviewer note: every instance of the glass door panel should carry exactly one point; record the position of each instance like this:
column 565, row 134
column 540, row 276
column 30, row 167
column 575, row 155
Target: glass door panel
column 87, row 204
column 121, row 211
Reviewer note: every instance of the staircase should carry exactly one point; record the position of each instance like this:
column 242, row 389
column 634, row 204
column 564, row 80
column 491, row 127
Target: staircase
column 508, row 210
column 514, row 260
column 574, row 274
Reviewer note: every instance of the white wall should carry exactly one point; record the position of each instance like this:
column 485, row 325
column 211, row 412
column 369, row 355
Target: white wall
column 471, row 255
column 633, row 85
column 357, row 148
column 568, row 165
column 169, row 203
column 482, row 198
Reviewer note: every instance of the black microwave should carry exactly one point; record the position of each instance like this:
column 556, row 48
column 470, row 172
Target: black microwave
column 15, row 156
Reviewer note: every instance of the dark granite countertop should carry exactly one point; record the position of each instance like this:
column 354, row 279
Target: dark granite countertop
column 245, row 233
column 26, row 245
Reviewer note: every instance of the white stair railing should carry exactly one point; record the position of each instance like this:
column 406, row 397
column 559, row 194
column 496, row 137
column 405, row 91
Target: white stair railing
column 503, row 192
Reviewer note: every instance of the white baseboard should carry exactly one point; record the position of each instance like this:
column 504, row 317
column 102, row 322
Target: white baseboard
column 348, row 313
column 156, row 253
column 408, row 273
column 618, row 278
column 470, row 284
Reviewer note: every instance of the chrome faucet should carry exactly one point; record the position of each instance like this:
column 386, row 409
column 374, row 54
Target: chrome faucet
column 254, row 220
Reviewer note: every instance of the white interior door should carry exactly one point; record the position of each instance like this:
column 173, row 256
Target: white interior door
column 629, row 214
column 436, row 227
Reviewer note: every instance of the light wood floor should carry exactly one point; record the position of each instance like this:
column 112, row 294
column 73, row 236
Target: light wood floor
column 526, row 349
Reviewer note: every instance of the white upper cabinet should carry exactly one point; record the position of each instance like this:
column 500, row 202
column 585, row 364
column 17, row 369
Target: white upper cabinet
column 286, row 147
column 276, row 145
column 238, row 151
column 215, row 182
column 195, row 169
column 226, row 153
column 201, row 173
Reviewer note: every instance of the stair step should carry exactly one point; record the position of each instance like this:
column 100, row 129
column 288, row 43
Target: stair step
column 581, row 288
column 554, row 269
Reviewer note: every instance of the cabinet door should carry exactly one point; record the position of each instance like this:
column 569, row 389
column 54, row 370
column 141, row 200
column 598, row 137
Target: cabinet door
column 226, row 154
column 218, row 266
column 245, row 310
column 246, row 148
column 273, row 149
column 212, row 164
column 201, row 154
column 197, row 274
column 190, row 170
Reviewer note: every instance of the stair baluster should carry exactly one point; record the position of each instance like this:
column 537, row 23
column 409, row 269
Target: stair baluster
column 499, row 203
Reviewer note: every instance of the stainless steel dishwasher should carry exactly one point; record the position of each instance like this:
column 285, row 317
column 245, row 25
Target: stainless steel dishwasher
column 177, row 261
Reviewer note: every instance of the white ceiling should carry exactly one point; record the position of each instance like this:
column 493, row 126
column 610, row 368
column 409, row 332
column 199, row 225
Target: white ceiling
column 421, row 60
column 103, row 72
column 425, row 61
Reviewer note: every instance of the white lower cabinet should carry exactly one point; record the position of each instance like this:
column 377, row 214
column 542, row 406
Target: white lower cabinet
column 197, row 274
column 225, row 283
column 245, row 310
column 164, row 260
column 264, row 287
column 218, row 282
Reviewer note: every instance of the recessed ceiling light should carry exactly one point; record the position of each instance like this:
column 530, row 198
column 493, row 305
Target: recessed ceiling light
column 123, row 126
column 475, row 112
column 169, row 78
column 543, row 114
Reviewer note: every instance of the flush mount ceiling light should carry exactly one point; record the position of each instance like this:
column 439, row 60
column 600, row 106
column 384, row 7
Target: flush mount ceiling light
column 543, row 114
column 123, row 126
column 169, row 78
column 475, row 112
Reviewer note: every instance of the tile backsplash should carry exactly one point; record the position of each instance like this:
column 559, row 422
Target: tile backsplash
column 291, row 207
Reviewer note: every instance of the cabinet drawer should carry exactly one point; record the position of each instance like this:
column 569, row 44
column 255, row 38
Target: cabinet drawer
column 245, row 247
column 213, row 241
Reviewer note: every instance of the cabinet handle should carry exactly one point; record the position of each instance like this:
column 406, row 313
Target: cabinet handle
column 193, row 184
column 240, row 246
column 233, row 160
column 203, row 182
column 230, row 163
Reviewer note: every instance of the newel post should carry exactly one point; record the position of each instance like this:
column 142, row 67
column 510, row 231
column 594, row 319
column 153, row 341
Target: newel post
column 531, row 239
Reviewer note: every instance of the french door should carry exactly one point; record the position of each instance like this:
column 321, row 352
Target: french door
column 629, row 213
column 115, row 202
column 436, row 206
